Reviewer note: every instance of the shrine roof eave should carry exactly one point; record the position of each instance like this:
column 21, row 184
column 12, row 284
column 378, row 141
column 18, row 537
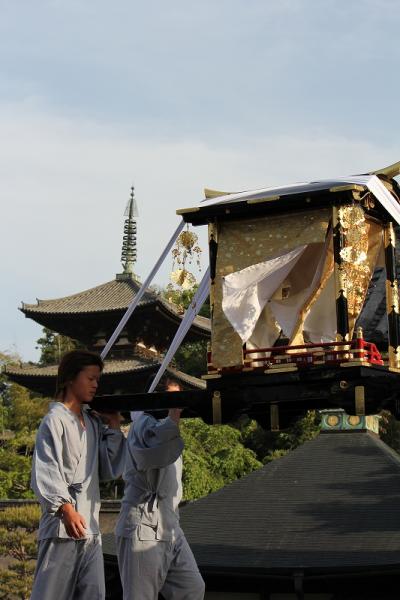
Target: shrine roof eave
column 301, row 196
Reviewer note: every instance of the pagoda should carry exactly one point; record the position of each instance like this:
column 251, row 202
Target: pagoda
column 90, row 317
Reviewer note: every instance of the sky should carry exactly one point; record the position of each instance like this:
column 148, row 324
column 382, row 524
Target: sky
column 172, row 97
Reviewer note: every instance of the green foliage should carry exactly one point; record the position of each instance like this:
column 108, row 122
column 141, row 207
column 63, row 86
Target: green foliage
column 5, row 386
column 17, row 542
column 26, row 516
column 273, row 455
column 21, row 416
column 269, row 445
column 182, row 298
column 389, row 429
column 191, row 358
column 53, row 345
column 25, row 412
column 255, row 437
column 304, row 429
column 214, row 456
column 15, row 470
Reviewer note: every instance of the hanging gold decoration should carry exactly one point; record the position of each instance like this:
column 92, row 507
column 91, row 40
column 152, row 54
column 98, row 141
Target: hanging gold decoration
column 185, row 252
column 183, row 278
column 354, row 254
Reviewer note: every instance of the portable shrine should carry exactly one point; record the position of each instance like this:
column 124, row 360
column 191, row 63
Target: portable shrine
column 290, row 269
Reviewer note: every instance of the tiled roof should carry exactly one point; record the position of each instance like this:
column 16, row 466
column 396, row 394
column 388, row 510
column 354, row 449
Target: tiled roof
column 185, row 378
column 332, row 503
column 111, row 367
column 115, row 295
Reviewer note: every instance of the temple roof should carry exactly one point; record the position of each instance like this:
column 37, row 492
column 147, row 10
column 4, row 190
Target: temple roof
column 113, row 295
column 82, row 315
column 334, row 503
column 137, row 372
column 331, row 506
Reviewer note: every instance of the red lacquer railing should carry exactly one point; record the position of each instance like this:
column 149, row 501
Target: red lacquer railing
column 306, row 355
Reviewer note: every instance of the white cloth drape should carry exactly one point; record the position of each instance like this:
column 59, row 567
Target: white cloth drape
column 246, row 292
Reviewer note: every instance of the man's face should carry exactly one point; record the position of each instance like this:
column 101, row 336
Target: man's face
column 84, row 386
column 173, row 387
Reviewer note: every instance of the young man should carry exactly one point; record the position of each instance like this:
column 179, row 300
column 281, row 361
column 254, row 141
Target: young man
column 73, row 450
column 153, row 554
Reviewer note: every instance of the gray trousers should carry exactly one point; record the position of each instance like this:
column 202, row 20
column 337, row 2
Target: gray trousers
column 69, row 569
column 150, row 567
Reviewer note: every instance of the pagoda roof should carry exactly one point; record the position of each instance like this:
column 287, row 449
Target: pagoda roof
column 332, row 504
column 113, row 295
column 43, row 379
column 82, row 315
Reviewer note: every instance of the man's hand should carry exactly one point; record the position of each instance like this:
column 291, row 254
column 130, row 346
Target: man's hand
column 175, row 414
column 75, row 524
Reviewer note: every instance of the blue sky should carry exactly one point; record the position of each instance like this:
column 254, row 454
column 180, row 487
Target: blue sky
column 172, row 96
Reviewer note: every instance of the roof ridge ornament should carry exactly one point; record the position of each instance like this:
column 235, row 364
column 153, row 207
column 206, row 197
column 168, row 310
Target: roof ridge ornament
column 129, row 254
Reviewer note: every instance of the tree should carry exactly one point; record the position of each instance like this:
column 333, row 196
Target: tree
column 269, row 445
column 214, row 456
column 304, row 429
column 53, row 345
column 17, row 543
column 21, row 413
column 182, row 298
column 389, row 430
column 191, row 358
column 25, row 410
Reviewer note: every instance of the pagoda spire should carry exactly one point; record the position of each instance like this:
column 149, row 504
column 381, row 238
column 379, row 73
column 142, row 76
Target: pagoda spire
column 128, row 254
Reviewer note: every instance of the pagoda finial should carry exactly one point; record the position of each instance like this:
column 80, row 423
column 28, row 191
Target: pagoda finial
column 128, row 255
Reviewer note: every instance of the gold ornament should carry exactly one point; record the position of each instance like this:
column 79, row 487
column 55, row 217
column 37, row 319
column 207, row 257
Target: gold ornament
column 354, row 255
column 186, row 250
column 183, row 278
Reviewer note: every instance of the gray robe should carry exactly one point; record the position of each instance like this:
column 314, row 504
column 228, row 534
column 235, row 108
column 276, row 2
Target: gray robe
column 68, row 463
column 153, row 554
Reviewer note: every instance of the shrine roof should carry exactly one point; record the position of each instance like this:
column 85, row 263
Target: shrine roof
column 303, row 195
